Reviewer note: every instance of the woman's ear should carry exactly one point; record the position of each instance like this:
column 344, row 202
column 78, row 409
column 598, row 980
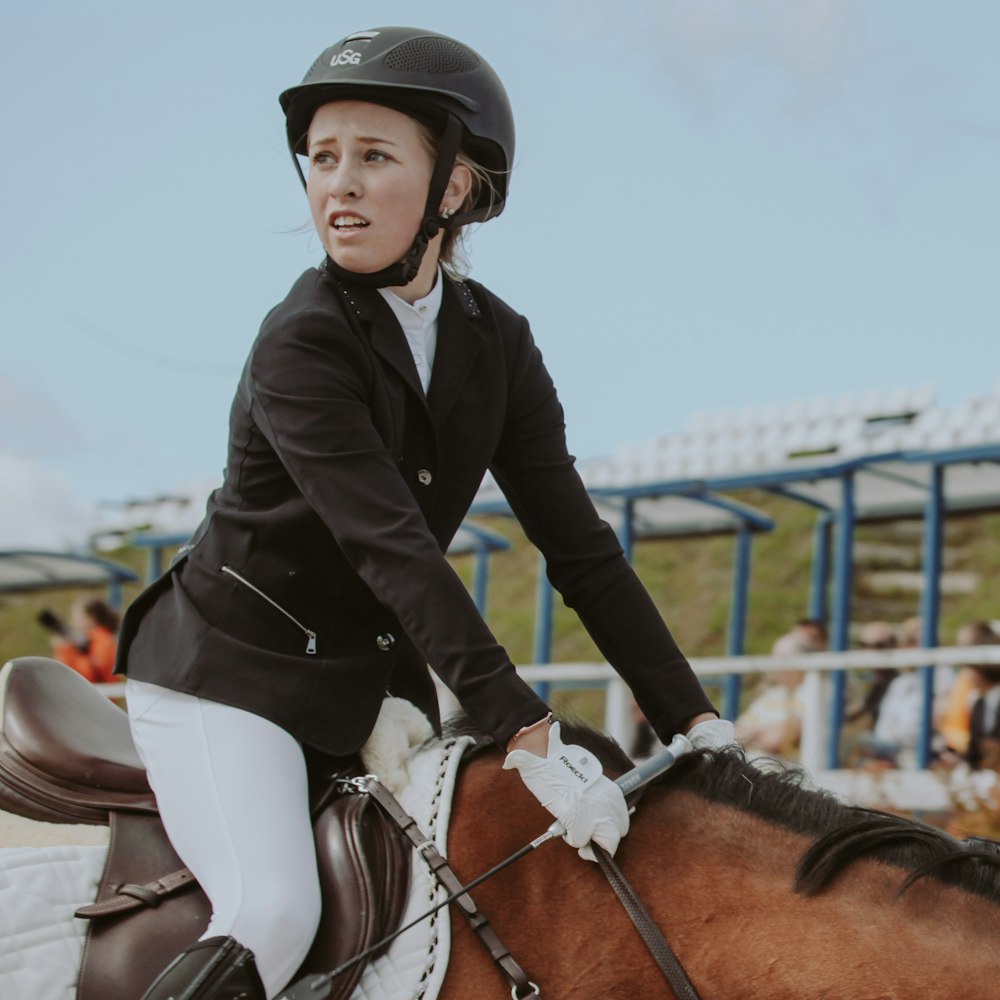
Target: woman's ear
column 457, row 191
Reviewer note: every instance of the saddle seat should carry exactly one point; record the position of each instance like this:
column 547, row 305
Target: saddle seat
column 66, row 751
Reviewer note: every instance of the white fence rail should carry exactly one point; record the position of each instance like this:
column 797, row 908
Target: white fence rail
column 619, row 723
column 618, row 720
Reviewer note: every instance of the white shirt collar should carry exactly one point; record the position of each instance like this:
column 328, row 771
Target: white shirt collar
column 420, row 313
column 419, row 324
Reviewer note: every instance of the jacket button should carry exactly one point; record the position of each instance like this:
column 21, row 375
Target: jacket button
column 424, row 477
column 385, row 641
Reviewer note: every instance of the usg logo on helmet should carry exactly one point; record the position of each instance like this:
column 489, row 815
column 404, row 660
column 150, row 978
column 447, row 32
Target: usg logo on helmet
column 346, row 58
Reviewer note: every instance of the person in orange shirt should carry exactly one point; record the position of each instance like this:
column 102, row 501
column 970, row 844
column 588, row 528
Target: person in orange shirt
column 956, row 720
column 89, row 643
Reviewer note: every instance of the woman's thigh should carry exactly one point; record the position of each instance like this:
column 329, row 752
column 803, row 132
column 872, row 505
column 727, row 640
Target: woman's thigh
column 233, row 795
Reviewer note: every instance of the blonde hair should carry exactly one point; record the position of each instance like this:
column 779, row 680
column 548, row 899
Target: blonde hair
column 454, row 255
column 454, row 249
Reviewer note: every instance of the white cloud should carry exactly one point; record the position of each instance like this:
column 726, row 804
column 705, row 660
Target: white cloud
column 39, row 509
column 806, row 47
column 34, row 424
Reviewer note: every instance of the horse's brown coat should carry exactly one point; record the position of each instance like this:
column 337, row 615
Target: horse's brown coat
column 718, row 881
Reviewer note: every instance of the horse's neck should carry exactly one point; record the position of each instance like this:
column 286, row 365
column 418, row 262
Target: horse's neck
column 718, row 881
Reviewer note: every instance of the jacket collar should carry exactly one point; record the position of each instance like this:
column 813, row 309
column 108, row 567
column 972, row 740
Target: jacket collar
column 459, row 338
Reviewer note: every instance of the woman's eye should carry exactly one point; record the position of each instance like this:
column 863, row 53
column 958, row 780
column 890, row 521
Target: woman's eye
column 322, row 159
column 376, row 156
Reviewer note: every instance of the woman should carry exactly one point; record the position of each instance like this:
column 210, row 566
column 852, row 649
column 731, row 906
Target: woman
column 89, row 644
column 373, row 401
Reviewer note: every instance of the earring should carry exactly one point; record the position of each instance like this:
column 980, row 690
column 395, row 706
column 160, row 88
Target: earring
column 447, row 213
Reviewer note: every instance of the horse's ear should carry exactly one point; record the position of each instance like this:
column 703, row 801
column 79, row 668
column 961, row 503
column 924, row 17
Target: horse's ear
column 460, row 725
column 612, row 757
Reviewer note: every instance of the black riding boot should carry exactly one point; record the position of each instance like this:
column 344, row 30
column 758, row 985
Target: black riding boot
column 219, row 968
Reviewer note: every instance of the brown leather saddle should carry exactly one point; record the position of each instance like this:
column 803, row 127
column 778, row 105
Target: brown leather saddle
column 66, row 756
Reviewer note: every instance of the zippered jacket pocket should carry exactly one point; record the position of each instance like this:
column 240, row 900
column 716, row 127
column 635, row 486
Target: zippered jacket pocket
column 309, row 633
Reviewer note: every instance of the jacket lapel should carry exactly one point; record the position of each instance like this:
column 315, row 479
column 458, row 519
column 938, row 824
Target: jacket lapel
column 460, row 337
column 389, row 342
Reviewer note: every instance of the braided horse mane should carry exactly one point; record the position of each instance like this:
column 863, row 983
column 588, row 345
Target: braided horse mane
column 777, row 794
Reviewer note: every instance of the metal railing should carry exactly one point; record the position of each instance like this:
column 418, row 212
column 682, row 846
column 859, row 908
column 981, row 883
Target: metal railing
column 820, row 715
column 821, row 718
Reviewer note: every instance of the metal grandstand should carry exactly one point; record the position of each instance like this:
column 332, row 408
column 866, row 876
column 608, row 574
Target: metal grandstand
column 853, row 459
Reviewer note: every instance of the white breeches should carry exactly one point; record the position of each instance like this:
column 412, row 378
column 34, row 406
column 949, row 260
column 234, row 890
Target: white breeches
column 233, row 796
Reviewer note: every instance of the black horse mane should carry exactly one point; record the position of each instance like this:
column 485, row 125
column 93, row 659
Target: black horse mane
column 776, row 793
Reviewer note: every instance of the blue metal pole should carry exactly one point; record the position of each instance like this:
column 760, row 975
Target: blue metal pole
column 819, row 587
column 543, row 626
column 627, row 533
column 154, row 570
column 843, row 587
column 930, row 605
column 736, row 638
column 481, row 578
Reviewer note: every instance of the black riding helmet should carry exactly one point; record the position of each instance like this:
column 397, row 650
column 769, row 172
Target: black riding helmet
column 432, row 78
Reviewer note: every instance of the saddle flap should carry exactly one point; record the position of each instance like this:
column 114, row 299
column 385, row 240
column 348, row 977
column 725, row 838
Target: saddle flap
column 364, row 863
column 126, row 951
column 66, row 752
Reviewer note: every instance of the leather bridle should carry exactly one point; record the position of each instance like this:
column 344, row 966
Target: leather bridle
column 315, row 987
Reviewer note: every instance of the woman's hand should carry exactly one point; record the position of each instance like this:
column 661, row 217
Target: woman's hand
column 570, row 783
column 712, row 733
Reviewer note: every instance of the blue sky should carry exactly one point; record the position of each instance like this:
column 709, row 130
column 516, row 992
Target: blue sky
column 715, row 204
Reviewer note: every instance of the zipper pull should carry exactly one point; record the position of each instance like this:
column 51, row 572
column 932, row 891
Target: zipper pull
column 311, row 644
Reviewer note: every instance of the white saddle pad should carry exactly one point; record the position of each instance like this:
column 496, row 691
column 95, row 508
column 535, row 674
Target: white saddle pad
column 414, row 966
column 41, row 942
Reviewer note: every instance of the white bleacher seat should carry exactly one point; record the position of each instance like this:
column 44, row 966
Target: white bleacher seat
column 828, row 429
column 820, row 410
column 922, row 398
column 897, row 401
column 974, row 433
column 844, row 407
column 912, row 437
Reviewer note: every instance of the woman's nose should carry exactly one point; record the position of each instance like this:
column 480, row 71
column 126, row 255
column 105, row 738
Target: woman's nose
column 343, row 181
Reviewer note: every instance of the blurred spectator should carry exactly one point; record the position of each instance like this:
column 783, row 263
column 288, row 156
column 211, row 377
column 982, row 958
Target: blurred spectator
column 875, row 635
column 814, row 632
column 644, row 743
column 911, row 633
column 89, row 642
column 897, row 727
column 956, row 717
column 984, row 728
column 772, row 722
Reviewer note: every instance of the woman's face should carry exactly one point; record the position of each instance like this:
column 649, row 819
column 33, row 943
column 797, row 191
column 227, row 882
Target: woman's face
column 369, row 171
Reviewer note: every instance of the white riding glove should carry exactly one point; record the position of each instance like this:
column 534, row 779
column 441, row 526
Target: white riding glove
column 570, row 783
column 715, row 734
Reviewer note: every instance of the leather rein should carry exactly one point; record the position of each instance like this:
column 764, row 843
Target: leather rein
column 522, row 988
column 666, row 960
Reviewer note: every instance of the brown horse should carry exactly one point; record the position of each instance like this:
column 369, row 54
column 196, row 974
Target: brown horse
column 765, row 890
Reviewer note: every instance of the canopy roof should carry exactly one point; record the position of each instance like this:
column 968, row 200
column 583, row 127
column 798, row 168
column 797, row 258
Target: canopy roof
column 25, row 571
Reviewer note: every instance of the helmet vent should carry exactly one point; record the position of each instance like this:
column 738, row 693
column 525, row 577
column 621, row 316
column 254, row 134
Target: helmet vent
column 432, row 55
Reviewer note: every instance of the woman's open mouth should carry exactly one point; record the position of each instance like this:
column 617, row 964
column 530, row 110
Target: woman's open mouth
column 348, row 223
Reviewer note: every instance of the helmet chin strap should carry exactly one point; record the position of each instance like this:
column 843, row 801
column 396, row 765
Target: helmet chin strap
column 404, row 271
